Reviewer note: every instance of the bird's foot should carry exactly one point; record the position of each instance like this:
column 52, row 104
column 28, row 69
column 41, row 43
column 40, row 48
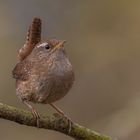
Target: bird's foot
column 70, row 122
column 34, row 113
column 37, row 117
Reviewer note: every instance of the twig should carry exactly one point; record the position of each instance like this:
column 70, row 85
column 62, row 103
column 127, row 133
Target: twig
column 52, row 122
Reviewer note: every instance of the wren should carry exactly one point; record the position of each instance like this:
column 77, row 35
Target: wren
column 44, row 73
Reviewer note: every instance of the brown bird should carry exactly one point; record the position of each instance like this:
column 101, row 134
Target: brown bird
column 44, row 73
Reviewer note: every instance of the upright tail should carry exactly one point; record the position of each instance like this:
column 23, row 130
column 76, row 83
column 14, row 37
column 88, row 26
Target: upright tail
column 33, row 37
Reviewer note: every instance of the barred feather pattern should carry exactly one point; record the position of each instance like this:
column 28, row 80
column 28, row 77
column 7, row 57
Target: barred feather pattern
column 33, row 38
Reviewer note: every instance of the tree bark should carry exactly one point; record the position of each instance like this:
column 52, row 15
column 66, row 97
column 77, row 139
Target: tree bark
column 52, row 122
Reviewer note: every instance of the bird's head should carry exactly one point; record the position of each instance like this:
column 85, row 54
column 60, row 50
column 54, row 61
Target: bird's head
column 50, row 48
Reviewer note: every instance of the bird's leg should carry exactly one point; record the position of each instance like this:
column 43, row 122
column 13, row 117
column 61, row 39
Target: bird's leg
column 34, row 112
column 62, row 113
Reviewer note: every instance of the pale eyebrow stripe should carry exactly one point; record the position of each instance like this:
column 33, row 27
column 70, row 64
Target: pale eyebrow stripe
column 42, row 45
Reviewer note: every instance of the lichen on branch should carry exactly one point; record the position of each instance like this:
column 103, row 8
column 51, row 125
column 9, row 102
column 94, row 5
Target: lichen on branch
column 52, row 122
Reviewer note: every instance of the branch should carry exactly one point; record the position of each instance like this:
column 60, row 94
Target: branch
column 53, row 122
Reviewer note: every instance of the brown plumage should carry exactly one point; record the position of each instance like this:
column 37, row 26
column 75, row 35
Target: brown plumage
column 33, row 37
column 45, row 75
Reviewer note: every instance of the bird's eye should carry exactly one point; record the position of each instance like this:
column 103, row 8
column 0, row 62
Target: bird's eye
column 47, row 47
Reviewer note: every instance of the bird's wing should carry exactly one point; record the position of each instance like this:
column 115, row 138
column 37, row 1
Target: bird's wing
column 22, row 70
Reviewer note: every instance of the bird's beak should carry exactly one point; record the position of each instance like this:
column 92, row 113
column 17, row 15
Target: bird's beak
column 60, row 44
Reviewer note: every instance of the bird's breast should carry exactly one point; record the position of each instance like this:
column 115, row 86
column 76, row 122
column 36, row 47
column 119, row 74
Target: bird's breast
column 60, row 79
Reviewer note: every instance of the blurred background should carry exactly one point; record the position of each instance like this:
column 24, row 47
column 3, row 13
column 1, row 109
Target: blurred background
column 103, row 43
